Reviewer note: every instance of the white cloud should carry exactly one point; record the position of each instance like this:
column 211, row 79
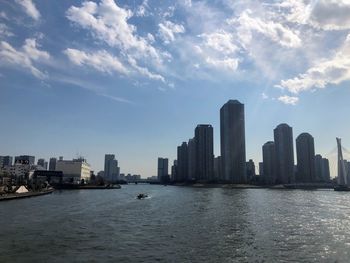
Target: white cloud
column 168, row 30
column 327, row 71
column 321, row 14
column 3, row 15
column 142, row 10
column 109, row 22
column 4, row 31
column 144, row 71
column 230, row 64
column 114, row 98
column 276, row 32
column 100, row 60
column 289, row 100
column 264, row 96
column 25, row 57
column 29, row 7
column 221, row 41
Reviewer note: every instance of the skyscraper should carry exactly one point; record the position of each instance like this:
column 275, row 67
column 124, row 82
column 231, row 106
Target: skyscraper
column 326, row 172
column 163, row 169
column 305, row 158
column 217, row 168
column 232, row 135
column 52, row 164
column 191, row 159
column 269, row 163
column 283, row 135
column 111, row 168
column 182, row 163
column 204, row 152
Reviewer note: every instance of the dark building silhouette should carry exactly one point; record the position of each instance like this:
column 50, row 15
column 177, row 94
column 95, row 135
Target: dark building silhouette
column 5, row 161
column 232, row 135
column 325, row 170
column 191, row 159
column 283, row 135
column 25, row 159
column 322, row 172
column 182, row 163
column 204, row 152
column 41, row 162
column 52, row 164
column 174, row 171
column 163, row 169
column 217, row 168
column 269, row 163
column 261, row 169
column 250, row 167
column 305, row 158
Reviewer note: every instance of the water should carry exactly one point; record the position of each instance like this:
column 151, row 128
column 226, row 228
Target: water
column 177, row 224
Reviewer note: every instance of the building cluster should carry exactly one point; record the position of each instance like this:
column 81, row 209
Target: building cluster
column 61, row 170
column 196, row 161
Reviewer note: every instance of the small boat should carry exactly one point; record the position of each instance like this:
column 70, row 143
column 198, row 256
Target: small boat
column 141, row 196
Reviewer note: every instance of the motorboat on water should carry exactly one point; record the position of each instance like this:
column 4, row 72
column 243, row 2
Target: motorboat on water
column 141, row 196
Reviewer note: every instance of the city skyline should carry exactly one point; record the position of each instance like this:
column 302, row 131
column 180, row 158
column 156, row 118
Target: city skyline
column 71, row 90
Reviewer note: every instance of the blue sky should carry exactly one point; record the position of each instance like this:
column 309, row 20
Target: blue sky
column 134, row 78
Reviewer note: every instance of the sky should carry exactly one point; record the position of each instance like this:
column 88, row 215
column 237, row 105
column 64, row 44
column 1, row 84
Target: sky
column 134, row 78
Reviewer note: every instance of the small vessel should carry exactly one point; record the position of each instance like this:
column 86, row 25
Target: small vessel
column 141, row 196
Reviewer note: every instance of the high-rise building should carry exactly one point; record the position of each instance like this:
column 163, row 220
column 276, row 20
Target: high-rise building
column 250, row 168
column 305, row 158
column 318, row 167
column 111, row 168
column 204, row 152
column 41, row 162
column 261, row 169
column 174, row 171
column 322, row 172
column 326, row 172
column 232, row 135
column 217, row 168
column 269, row 163
column 5, row 161
column 163, row 170
column 182, row 163
column 25, row 159
column 283, row 135
column 191, row 159
column 52, row 164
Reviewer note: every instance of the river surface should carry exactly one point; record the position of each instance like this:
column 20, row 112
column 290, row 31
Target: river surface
column 177, row 224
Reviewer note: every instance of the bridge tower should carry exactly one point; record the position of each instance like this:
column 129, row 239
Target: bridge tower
column 342, row 176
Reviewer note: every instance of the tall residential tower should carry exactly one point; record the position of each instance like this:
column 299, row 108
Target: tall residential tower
column 232, row 135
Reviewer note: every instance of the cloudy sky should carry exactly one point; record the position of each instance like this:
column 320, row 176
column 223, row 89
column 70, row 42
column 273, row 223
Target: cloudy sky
column 135, row 77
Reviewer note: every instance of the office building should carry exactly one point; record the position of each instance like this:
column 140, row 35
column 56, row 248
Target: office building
column 269, row 163
column 5, row 161
column 52, row 164
column 41, row 162
column 232, row 135
column 74, row 170
column 250, row 168
column 111, row 168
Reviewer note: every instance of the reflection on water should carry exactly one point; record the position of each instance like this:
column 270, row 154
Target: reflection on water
column 177, row 224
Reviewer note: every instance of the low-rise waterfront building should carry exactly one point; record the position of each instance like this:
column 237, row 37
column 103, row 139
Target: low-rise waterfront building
column 74, row 170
